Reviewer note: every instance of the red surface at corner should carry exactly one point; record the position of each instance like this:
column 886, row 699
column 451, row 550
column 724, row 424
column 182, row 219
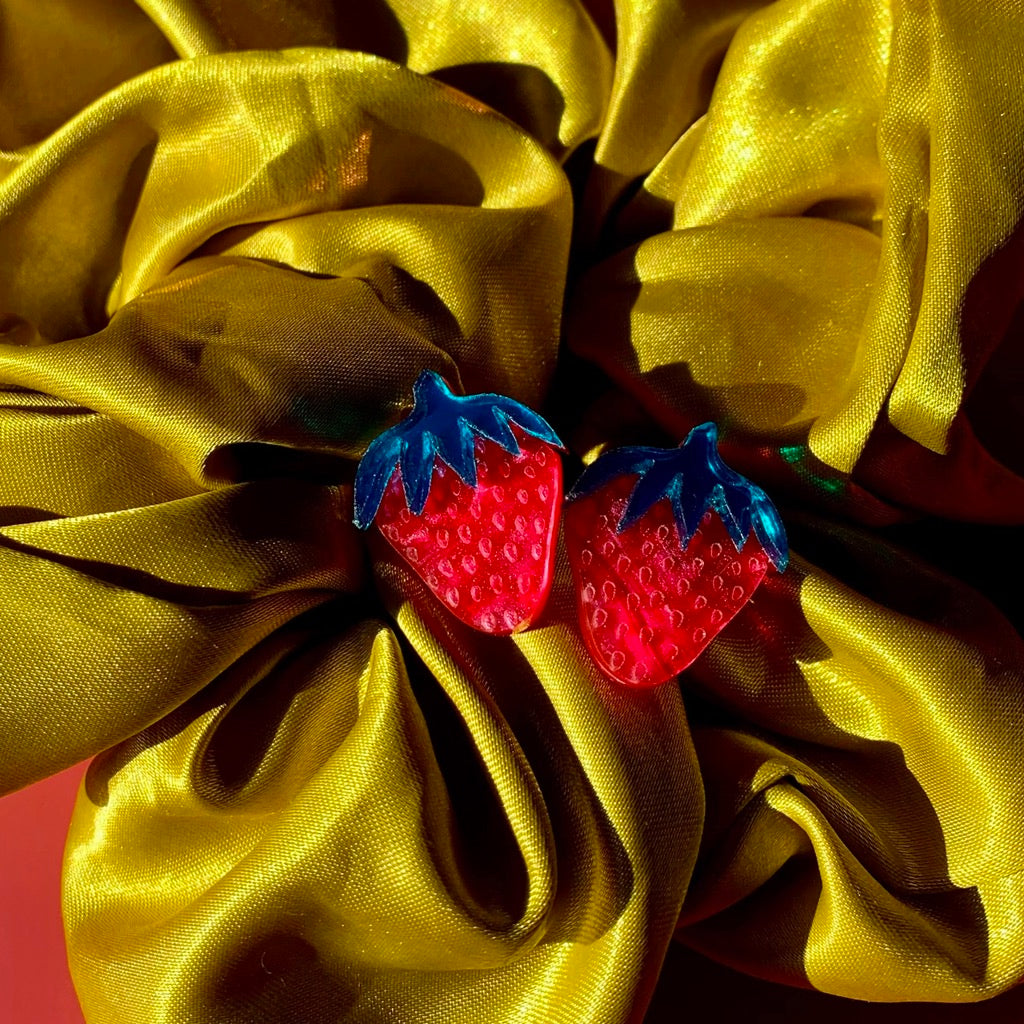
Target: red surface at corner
column 35, row 986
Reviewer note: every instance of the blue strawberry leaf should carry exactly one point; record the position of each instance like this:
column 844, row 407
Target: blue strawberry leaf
column 694, row 479
column 441, row 426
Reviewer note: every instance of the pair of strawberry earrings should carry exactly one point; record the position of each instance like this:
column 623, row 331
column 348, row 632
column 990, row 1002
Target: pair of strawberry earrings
column 666, row 545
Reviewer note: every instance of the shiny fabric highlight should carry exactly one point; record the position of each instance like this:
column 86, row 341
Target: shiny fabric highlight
column 230, row 243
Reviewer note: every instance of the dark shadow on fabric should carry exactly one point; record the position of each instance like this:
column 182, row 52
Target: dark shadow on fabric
column 602, row 12
column 995, row 404
column 247, row 461
column 415, row 302
column 370, row 26
column 265, row 693
column 279, row 978
column 406, row 168
column 671, row 389
column 106, row 261
column 670, row 394
column 522, row 92
column 910, row 552
column 770, row 638
column 988, row 558
column 126, row 578
column 487, row 857
column 238, row 752
column 786, row 902
column 594, row 871
column 14, row 515
column 706, row 992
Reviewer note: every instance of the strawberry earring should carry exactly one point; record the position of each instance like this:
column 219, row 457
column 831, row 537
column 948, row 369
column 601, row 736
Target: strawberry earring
column 666, row 546
column 468, row 490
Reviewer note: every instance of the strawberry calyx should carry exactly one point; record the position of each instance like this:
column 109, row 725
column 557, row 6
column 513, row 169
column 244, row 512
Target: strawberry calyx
column 444, row 426
column 694, row 479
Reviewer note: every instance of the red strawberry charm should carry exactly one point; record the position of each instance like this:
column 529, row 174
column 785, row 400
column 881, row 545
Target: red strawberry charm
column 666, row 546
column 468, row 490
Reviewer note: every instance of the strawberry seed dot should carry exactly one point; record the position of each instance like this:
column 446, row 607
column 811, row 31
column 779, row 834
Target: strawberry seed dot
column 499, row 495
column 735, row 568
column 453, row 510
column 599, row 618
column 529, row 472
column 488, row 622
column 539, row 526
column 412, row 554
column 717, row 583
column 536, row 552
column 465, row 534
column 525, row 583
column 586, row 557
column 441, row 537
column 404, row 516
column 511, row 551
column 475, row 593
column 622, row 565
column 700, row 602
column 646, row 634
column 632, row 601
column 543, row 492
column 662, row 533
column 520, row 524
column 677, row 618
column 647, row 549
column 484, row 547
column 737, row 593
column 506, row 469
column 698, row 565
column 452, row 597
column 522, row 495
column 644, row 575
column 469, row 564
column 716, row 617
column 607, row 548
column 512, row 620
column 498, row 520
column 589, row 593
column 497, row 583
column 699, row 635
column 540, row 457
column 656, row 599
column 620, row 631
column 445, row 568
column 617, row 660
column 716, row 550
column 607, row 590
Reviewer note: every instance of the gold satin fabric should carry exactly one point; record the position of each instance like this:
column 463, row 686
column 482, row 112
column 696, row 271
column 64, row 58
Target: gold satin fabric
column 233, row 233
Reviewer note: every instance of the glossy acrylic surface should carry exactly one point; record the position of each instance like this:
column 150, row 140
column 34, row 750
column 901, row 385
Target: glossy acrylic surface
column 486, row 551
column 648, row 606
column 442, row 428
column 694, row 479
column 666, row 546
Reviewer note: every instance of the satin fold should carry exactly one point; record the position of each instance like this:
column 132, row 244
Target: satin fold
column 228, row 246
